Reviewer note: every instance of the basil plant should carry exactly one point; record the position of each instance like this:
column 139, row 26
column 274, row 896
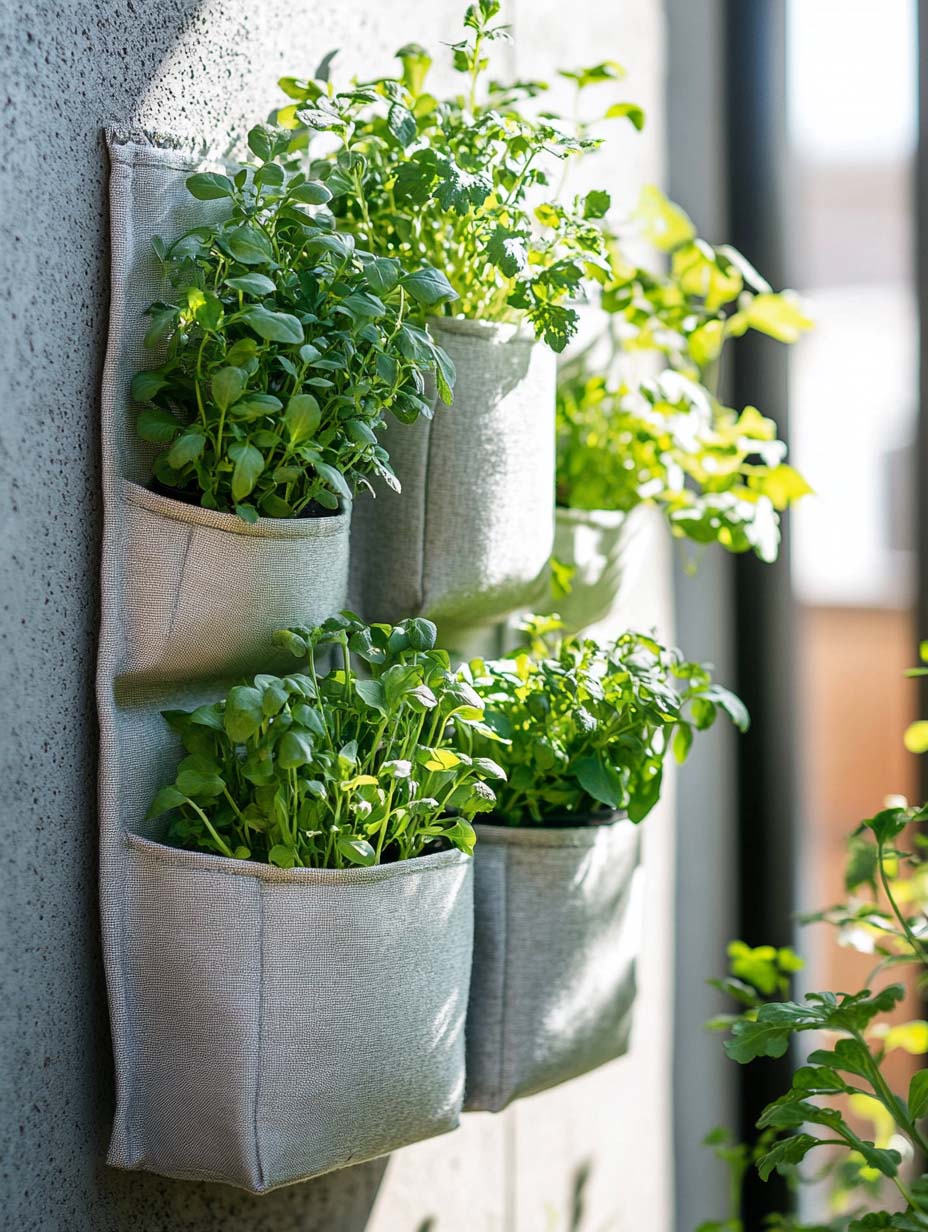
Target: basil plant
column 283, row 345
column 349, row 767
column 581, row 727
column 469, row 184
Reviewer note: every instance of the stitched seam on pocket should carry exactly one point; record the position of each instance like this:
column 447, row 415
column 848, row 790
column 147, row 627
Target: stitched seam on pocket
column 259, row 1166
column 504, row 990
column 426, row 500
column 191, row 535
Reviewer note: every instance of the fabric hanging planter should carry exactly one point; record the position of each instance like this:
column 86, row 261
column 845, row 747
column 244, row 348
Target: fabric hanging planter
column 605, row 551
column 277, row 1024
column 556, row 937
column 469, row 538
column 205, row 591
column 267, row 1025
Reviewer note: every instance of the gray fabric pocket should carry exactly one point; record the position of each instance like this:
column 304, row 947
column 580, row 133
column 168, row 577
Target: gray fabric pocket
column 603, row 547
column 468, row 539
column 281, row 1024
column 203, row 592
column 556, row 923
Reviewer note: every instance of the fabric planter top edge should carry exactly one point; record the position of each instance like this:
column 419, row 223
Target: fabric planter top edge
column 493, row 332
column 320, row 527
column 539, row 834
column 293, row 876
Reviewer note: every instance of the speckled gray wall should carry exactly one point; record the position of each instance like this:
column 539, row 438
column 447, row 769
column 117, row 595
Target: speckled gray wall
column 205, row 67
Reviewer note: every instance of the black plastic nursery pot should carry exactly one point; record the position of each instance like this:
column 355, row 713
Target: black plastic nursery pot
column 555, row 942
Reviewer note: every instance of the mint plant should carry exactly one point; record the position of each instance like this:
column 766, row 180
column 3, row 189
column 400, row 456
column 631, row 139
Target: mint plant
column 284, row 345
column 580, row 727
column 313, row 770
column 467, row 184
column 718, row 476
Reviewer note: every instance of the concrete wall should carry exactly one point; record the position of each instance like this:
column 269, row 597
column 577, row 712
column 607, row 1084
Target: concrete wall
column 594, row 1155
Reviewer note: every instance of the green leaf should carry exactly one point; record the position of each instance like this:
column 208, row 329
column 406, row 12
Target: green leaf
column 507, row 251
column 383, row 274
column 357, row 851
column 371, row 692
column 249, row 245
column 227, row 386
column 302, row 417
column 663, row 224
column 596, row 204
column 209, row 186
column 628, row 111
column 311, row 193
column 295, row 749
column 147, row 385
column 918, row 1095
column 429, row 287
column 253, row 284
column 274, row 326
column 282, row 856
column 402, row 124
column 167, row 798
column 199, row 778
column 249, row 463
column 335, row 479
column 785, row 1154
column 157, row 425
column 600, row 779
column 244, row 713
column 187, row 448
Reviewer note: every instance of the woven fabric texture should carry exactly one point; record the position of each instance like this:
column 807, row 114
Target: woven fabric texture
column 468, row 539
column 604, row 550
column 557, row 922
column 286, row 1023
column 267, row 1025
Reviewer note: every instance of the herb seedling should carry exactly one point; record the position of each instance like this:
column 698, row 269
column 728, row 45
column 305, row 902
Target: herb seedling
column 333, row 770
column 285, row 344
column 467, row 184
column 580, row 727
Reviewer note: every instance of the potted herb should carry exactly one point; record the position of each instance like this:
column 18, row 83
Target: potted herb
column 298, row 948
column 716, row 475
column 468, row 184
column 581, row 731
column 283, row 348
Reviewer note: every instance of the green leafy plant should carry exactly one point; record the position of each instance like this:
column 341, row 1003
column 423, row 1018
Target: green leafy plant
column 328, row 771
column 284, row 345
column 709, row 294
column 844, row 1082
column 580, row 727
column 466, row 183
column 717, row 475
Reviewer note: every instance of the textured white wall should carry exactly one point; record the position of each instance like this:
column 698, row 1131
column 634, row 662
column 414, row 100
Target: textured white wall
column 194, row 69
